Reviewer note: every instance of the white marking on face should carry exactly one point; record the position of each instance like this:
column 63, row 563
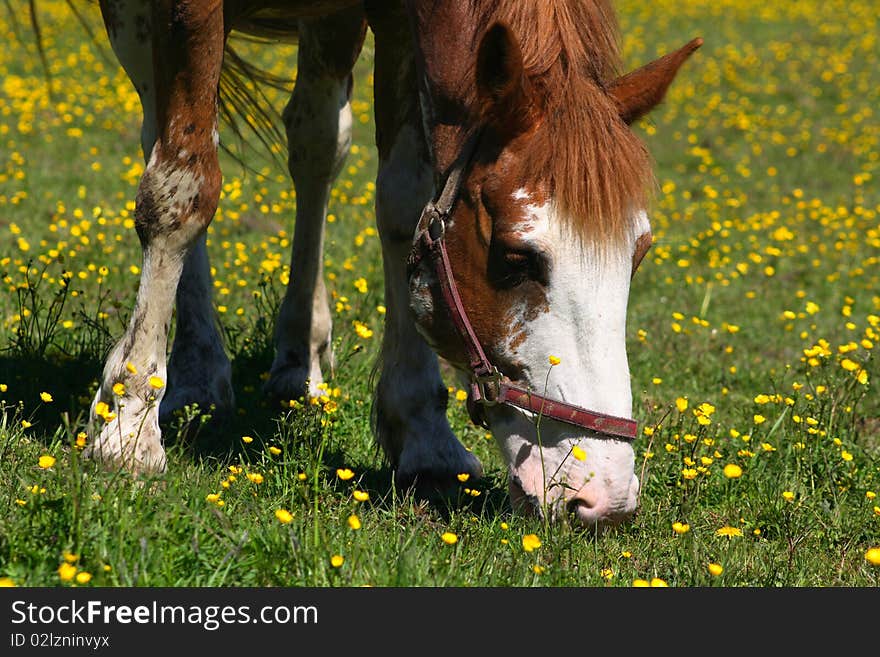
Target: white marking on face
column 585, row 326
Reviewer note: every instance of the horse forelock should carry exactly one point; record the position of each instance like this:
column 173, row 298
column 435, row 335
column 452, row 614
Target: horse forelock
column 597, row 170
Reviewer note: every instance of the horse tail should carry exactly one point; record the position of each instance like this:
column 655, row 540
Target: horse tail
column 245, row 108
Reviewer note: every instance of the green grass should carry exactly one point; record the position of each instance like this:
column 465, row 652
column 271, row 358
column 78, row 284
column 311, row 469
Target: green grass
column 766, row 153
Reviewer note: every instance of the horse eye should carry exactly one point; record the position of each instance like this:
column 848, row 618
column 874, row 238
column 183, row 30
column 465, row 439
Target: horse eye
column 515, row 266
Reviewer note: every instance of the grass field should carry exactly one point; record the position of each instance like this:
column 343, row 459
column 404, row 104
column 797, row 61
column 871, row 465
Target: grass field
column 753, row 325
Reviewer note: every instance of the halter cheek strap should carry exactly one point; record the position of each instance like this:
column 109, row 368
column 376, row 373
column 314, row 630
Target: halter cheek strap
column 488, row 386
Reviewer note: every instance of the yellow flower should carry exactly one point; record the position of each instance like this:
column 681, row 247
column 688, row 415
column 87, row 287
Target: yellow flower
column 460, row 395
column 681, row 404
column 337, row 560
column 729, row 531
column 537, row 569
column 26, row 425
column 578, row 453
column 255, row 477
column 119, row 389
column 656, row 582
column 715, row 569
column 247, row 440
column 354, row 522
column 759, row 419
column 787, row 495
column 362, row 330
column 463, row 476
column 554, row 360
column 274, row 451
column 46, row 461
column 873, row 556
column 344, row 473
column 83, row 577
column 361, row 495
column 6, row 582
column 361, row 285
column 66, row 572
column 449, row 538
column 849, row 365
column 131, row 368
column 69, row 557
column 46, row 397
column 531, row 542
column 681, row 527
column 284, row 516
column 732, row 471
column 156, row 383
column 641, row 583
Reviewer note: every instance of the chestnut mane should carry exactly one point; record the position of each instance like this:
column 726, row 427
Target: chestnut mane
column 597, row 169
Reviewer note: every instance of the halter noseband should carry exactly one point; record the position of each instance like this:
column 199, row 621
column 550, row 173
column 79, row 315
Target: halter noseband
column 489, row 387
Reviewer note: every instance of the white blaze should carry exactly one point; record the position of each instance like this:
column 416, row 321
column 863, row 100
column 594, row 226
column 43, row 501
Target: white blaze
column 585, row 327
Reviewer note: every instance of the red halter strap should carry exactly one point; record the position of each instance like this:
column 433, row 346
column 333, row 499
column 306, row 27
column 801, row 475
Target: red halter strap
column 489, row 387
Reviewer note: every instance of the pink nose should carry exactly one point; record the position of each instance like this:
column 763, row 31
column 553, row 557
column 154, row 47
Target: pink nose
column 589, row 508
column 592, row 515
column 594, row 511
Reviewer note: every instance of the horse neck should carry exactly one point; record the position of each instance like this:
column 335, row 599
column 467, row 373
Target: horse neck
column 445, row 42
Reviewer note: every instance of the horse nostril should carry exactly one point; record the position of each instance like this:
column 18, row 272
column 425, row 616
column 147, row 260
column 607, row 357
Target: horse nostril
column 586, row 512
column 578, row 505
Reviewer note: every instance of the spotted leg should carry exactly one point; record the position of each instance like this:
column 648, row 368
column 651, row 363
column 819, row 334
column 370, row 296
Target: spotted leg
column 409, row 409
column 318, row 123
column 176, row 200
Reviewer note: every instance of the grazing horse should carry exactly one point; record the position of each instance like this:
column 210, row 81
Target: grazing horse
column 511, row 206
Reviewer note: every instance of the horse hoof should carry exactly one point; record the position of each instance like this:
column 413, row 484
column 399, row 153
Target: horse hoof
column 442, row 480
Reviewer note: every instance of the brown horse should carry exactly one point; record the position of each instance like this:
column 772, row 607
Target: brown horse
column 510, row 120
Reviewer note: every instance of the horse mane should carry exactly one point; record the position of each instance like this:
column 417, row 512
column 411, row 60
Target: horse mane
column 600, row 172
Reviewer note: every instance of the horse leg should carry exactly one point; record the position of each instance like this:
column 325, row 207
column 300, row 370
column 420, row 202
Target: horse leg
column 199, row 371
column 410, row 398
column 176, row 200
column 318, row 123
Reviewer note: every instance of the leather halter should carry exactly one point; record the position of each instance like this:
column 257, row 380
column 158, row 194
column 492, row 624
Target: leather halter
column 489, row 387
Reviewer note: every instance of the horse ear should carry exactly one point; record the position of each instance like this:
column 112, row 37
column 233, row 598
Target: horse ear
column 638, row 92
column 502, row 88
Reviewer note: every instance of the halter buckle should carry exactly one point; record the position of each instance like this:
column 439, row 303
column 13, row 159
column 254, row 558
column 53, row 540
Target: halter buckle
column 436, row 225
column 491, row 381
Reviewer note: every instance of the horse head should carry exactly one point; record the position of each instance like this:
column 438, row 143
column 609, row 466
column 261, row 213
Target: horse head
column 542, row 220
